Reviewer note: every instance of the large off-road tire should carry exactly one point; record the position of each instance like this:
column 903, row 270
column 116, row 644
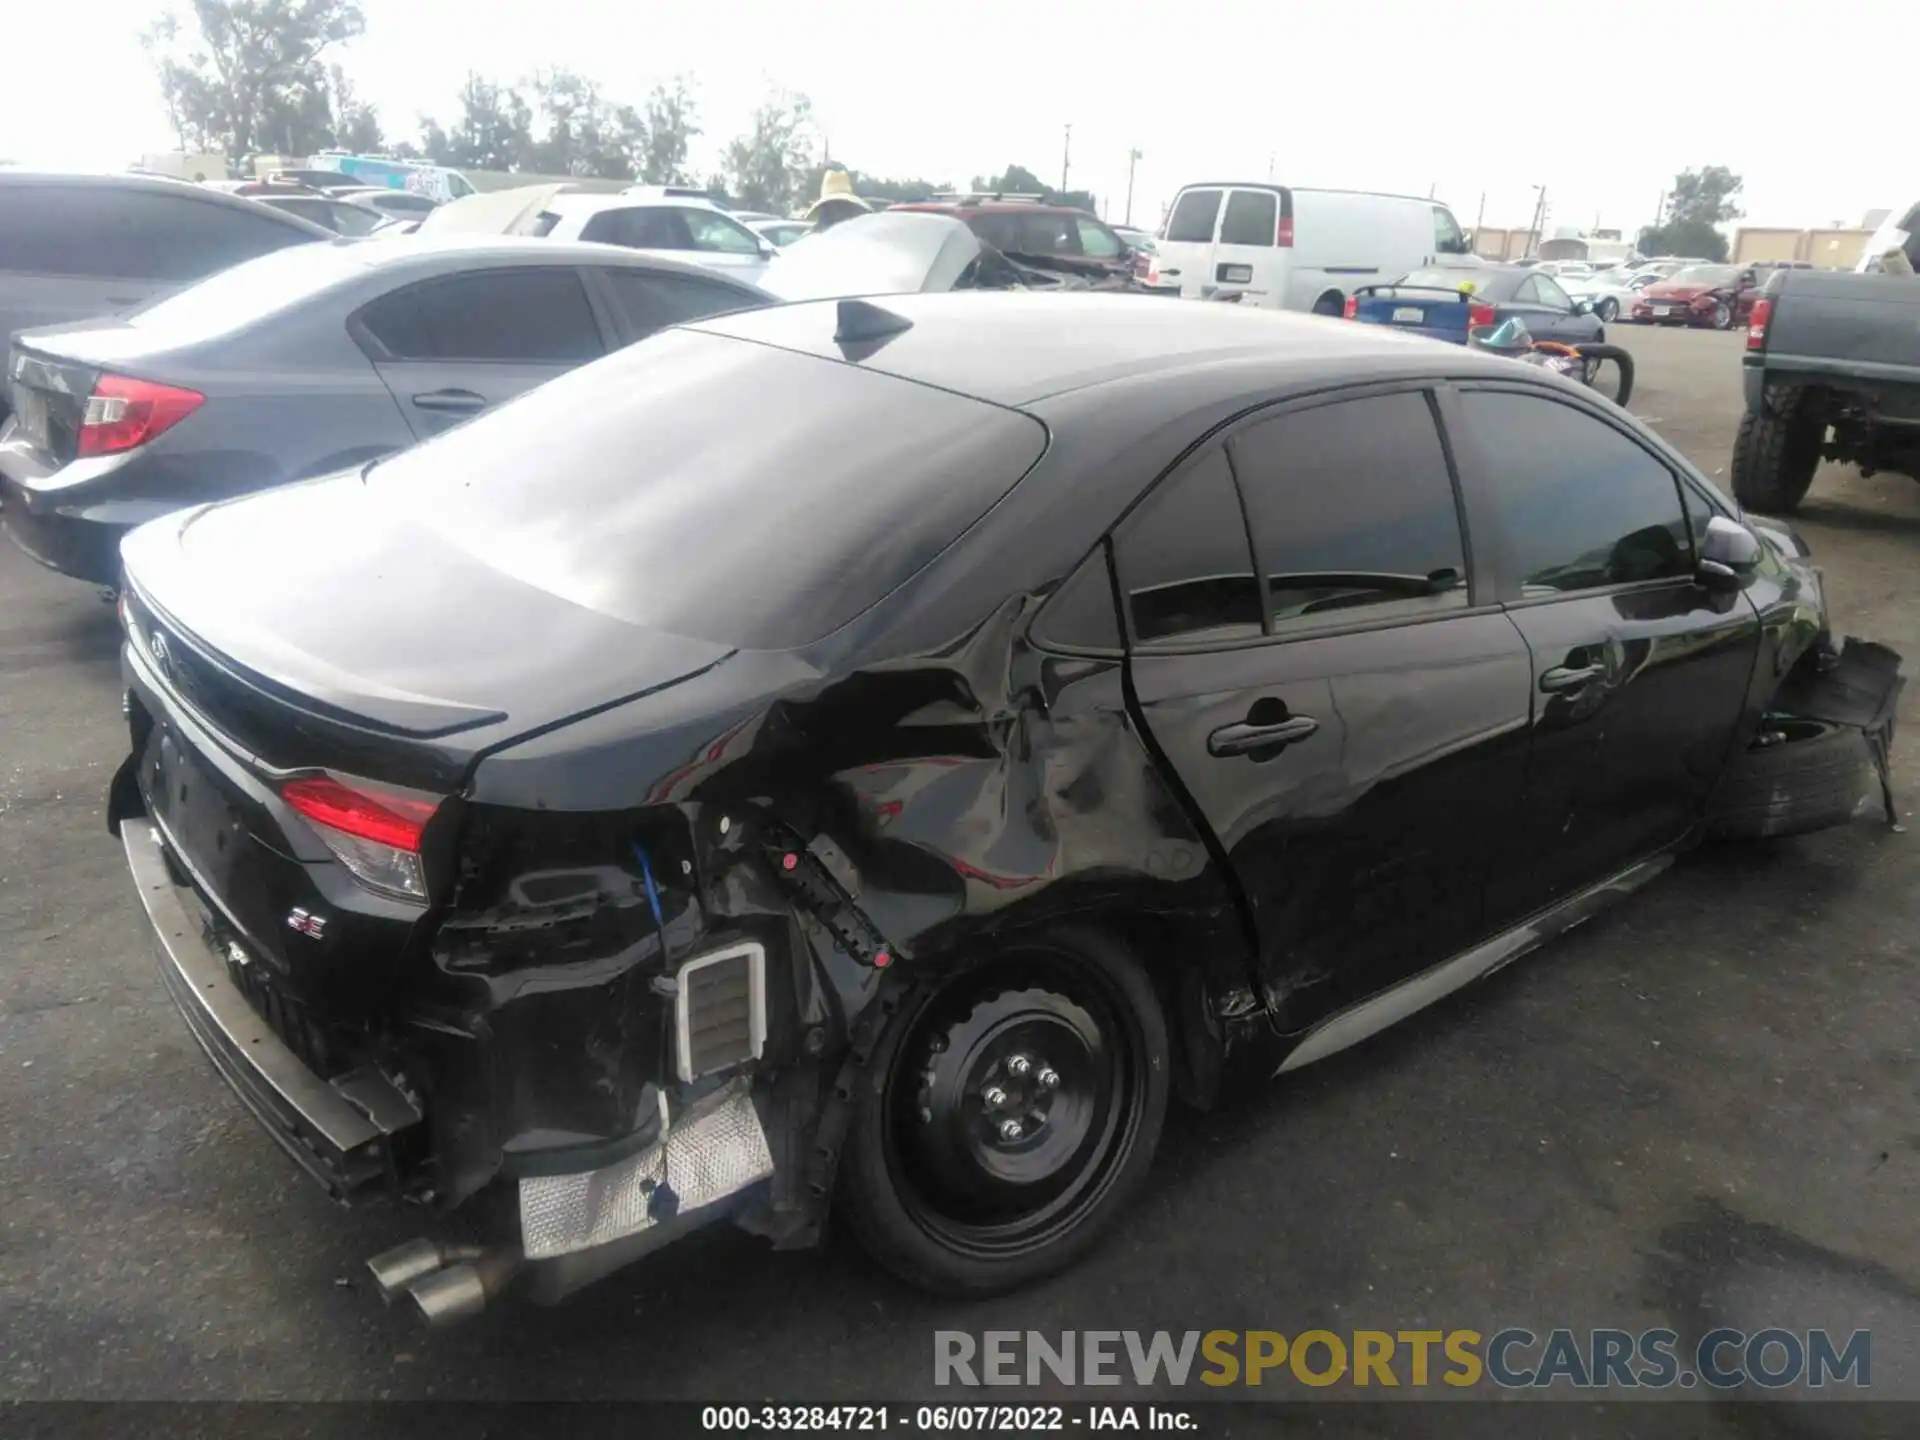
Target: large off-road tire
column 1775, row 456
column 1063, row 1038
column 1797, row 776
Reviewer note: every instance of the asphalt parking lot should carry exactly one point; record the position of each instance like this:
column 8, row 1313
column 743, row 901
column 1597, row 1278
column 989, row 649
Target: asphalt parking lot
column 1700, row 1108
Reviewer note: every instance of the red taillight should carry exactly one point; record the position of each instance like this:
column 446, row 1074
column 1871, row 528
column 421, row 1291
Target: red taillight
column 1351, row 309
column 1479, row 315
column 1757, row 324
column 1283, row 235
column 386, row 819
column 375, row 834
column 123, row 413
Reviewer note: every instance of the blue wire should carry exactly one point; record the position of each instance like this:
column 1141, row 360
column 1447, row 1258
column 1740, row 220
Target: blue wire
column 653, row 895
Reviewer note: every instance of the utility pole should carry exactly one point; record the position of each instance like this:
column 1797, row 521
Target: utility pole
column 1066, row 154
column 1539, row 211
column 1432, row 185
column 1133, row 158
column 1270, row 157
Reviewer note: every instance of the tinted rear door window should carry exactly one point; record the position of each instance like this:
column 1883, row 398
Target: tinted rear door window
column 1584, row 507
column 530, row 314
column 1184, row 564
column 111, row 233
column 1193, row 216
column 1252, row 216
column 1353, row 512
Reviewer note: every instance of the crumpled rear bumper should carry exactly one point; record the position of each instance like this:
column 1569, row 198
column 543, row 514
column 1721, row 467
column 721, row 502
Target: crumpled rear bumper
column 339, row 1131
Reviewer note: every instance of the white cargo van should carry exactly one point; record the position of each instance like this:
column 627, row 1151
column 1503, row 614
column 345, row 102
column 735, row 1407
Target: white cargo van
column 1288, row 247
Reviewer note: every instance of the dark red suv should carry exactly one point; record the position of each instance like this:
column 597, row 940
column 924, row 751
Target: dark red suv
column 1027, row 226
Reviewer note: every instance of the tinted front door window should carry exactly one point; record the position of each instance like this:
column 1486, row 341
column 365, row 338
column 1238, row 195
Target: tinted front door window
column 1584, row 506
column 654, row 300
column 1353, row 512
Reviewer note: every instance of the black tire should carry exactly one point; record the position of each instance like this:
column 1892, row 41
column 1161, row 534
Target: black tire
column 1608, row 310
column 1329, row 304
column 1797, row 776
column 1775, row 456
column 930, row 1186
column 1722, row 318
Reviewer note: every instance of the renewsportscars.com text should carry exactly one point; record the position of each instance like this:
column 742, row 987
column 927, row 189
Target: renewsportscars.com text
column 1511, row 1358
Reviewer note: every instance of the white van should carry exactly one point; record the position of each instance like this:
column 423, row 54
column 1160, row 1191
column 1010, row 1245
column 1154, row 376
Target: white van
column 1288, row 247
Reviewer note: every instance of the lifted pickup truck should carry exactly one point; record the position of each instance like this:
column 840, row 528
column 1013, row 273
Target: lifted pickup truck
column 1832, row 373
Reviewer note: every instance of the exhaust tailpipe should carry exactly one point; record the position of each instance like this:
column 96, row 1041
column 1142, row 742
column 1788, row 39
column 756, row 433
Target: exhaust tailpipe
column 444, row 1283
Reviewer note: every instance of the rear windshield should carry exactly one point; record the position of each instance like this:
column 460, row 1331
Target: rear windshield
column 716, row 488
column 1193, row 216
column 249, row 291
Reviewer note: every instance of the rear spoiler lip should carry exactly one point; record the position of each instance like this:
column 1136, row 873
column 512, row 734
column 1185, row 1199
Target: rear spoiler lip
column 433, row 719
column 1425, row 289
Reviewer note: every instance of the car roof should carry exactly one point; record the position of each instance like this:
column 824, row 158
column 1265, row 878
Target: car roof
column 991, row 207
column 431, row 250
column 1016, row 348
column 589, row 202
column 156, row 185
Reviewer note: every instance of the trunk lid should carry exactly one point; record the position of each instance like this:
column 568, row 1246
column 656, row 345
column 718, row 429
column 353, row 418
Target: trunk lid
column 1435, row 313
column 316, row 634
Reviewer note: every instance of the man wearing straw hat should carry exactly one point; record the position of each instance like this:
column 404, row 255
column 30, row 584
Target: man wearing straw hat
column 837, row 201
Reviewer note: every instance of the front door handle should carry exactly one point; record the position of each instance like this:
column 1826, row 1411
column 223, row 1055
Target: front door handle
column 451, row 402
column 1569, row 677
column 1239, row 738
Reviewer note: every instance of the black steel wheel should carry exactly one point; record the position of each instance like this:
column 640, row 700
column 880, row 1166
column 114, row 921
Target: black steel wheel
column 1010, row 1112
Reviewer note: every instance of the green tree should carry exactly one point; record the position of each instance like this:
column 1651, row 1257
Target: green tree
column 665, row 132
column 241, row 75
column 1018, row 180
column 586, row 134
column 767, row 167
column 356, row 124
column 1700, row 201
column 494, row 131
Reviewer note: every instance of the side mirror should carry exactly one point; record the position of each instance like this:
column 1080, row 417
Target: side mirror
column 768, row 250
column 1583, row 307
column 1729, row 554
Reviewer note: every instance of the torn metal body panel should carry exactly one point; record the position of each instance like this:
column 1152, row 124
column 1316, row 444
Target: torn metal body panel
column 817, row 819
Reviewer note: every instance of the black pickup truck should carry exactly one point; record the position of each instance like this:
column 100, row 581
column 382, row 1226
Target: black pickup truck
column 1832, row 373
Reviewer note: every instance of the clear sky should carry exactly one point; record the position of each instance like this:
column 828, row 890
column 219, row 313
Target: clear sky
column 1601, row 103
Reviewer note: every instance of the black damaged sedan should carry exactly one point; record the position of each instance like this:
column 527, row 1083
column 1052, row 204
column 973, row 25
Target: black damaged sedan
column 869, row 756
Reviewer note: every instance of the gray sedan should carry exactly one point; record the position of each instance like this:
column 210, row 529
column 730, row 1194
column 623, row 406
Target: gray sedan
column 305, row 362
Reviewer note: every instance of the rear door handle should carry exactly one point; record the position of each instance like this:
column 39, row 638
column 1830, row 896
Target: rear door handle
column 1569, row 677
column 1239, row 738
column 452, row 402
